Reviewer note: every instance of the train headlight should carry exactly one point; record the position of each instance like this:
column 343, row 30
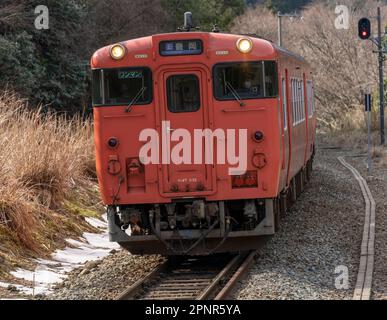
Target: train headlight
column 117, row 51
column 244, row 45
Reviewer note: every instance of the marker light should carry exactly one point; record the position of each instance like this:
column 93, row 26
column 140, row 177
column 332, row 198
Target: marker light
column 244, row 45
column 248, row 180
column 113, row 143
column 258, row 136
column 117, row 51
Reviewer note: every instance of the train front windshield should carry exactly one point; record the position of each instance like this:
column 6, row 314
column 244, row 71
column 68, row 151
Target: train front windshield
column 249, row 80
column 122, row 86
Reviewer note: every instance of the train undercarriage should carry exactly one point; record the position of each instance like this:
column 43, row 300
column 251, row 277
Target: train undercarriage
column 198, row 227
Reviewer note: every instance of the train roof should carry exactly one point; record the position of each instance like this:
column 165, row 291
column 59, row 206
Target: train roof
column 214, row 41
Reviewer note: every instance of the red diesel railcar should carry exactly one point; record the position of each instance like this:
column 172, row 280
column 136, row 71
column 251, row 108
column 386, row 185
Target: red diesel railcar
column 202, row 139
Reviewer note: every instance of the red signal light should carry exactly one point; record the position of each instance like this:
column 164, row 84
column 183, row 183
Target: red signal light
column 364, row 28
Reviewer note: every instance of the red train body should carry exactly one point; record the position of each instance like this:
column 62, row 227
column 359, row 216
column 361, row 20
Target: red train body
column 154, row 108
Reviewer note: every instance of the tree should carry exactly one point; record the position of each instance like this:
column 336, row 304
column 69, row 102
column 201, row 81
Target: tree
column 45, row 66
column 286, row 5
column 52, row 66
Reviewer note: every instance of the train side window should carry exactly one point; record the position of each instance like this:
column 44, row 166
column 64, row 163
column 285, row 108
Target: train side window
column 298, row 101
column 284, row 103
column 294, row 102
column 183, row 93
column 298, row 88
column 310, row 98
column 302, row 100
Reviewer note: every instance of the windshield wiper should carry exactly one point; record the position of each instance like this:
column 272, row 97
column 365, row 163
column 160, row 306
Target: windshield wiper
column 234, row 93
column 135, row 99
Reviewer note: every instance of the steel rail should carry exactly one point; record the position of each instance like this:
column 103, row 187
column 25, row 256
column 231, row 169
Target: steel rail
column 364, row 278
column 130, row 292
column 200, row 283
column 242, row 270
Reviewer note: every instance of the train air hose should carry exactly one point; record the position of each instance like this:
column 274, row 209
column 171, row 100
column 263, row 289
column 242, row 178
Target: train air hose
column 197, row 242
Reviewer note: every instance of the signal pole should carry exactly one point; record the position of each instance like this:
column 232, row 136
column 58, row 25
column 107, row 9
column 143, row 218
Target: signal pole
column 279, row 29
column 381, row 77
column 364, row 34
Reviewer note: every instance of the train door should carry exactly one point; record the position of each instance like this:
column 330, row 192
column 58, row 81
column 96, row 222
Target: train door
column 310, row 104
column 184, row 109
column 288, row 130
column 307, row 124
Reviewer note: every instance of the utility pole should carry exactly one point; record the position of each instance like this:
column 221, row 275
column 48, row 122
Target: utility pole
column 279, row 29
column 279, row 17
column 365, row 34
column 381, row 77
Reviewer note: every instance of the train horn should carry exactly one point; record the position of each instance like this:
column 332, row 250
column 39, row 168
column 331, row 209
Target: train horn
column 188, row 23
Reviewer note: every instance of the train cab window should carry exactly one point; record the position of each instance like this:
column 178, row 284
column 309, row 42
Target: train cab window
column 249, row 80
column 122, row 86
column 183, row 93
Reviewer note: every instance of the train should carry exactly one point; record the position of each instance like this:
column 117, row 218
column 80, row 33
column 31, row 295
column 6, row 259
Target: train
column 203, row 139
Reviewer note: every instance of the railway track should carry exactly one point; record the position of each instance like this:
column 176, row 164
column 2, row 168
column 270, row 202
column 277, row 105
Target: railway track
column 364, row 278
column 191, row 278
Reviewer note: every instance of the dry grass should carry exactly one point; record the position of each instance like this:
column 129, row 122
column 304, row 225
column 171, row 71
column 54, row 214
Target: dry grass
column 46, row 164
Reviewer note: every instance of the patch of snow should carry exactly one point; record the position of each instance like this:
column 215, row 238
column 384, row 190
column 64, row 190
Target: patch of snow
column 25, row 290
column 41, row 274
column 77, row 256
column 100, row 240
column 78, row 243
column 46, row 262
column 97, row 223
column 4, row 284
column 91, row 246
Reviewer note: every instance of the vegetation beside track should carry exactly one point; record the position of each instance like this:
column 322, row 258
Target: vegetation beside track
column 47, row 184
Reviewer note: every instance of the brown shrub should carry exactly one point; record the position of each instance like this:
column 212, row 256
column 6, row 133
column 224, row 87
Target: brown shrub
column 45, row 161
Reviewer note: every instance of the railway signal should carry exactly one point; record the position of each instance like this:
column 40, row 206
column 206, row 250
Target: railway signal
column 364, row 34
column 364, row 28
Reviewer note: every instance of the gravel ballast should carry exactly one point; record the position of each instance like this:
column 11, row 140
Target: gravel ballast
column 321, row 232
column 106, row 278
